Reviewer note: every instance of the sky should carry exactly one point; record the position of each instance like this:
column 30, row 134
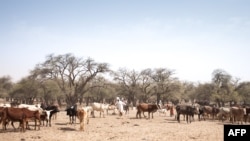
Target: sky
column 191, row 37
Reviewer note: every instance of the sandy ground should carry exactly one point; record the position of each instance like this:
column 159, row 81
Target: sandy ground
column 128, row 128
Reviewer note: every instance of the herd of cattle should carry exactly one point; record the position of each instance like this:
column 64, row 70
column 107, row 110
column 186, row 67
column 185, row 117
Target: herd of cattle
column 24, row 113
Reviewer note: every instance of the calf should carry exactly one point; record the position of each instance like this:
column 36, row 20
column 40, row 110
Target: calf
column 32, row 116
column 112, row 108
column 82, row 115
column 44, row 117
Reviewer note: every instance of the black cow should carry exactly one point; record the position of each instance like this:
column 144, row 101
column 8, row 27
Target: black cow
column 72, row 113
column 144, row 107
column 49, row 111
column 187, row 110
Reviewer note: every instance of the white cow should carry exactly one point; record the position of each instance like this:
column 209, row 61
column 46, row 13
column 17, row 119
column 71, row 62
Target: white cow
column 224, row 113
column 99, row 107
column 112, row 108
column 88, row 109
column 5, row 105
column 162, row 112
column 31, row 107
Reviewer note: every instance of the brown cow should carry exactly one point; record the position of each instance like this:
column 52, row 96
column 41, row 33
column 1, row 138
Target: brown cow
column 207, row 111
column 14, row 115
column 144, row 107
column 82, row 115
column 32, row 116
column 43, row 117
column 237, row 114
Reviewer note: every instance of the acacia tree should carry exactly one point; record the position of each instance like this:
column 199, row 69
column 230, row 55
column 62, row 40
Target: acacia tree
column 128, row 81
column 224, row 88
column 204, row 92
column 244, row 92
column 71, row 74
column 5, row 86
column 26, row 90
column 50, row 92
column 163, row 81
column 146, row 84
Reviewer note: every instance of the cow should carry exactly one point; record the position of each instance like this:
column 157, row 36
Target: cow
column 50, row 111
column 32, row 116
column 162, row 111
column 43, row 117
column 224, row 113
column 112, row 108
column 72, row 113
column 187, row 110
column 88, row 109
column 145, row 107
column 31, row 107
column 82, row 115
column 101, row 107
column 13, row 115
column 237, row 114
column 1, row 114
column 206, row 111
column 5, row 105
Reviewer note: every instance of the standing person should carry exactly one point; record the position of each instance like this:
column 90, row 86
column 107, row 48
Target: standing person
column 120, row 105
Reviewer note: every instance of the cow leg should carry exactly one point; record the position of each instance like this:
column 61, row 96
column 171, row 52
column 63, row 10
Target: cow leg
column 186, row 118
column 27, row 125
column 12, row 124
column 39, row 121
column 178, row 117
column 35, row 124
column 137, row 113
column 49, row 122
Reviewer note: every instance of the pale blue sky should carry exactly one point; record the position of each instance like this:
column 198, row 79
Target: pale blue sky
column 192, row 37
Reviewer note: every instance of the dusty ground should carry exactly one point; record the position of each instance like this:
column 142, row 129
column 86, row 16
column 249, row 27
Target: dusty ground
column 128, row 128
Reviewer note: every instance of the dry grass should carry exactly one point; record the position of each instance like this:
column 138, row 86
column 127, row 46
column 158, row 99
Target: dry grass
column 113, row 128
